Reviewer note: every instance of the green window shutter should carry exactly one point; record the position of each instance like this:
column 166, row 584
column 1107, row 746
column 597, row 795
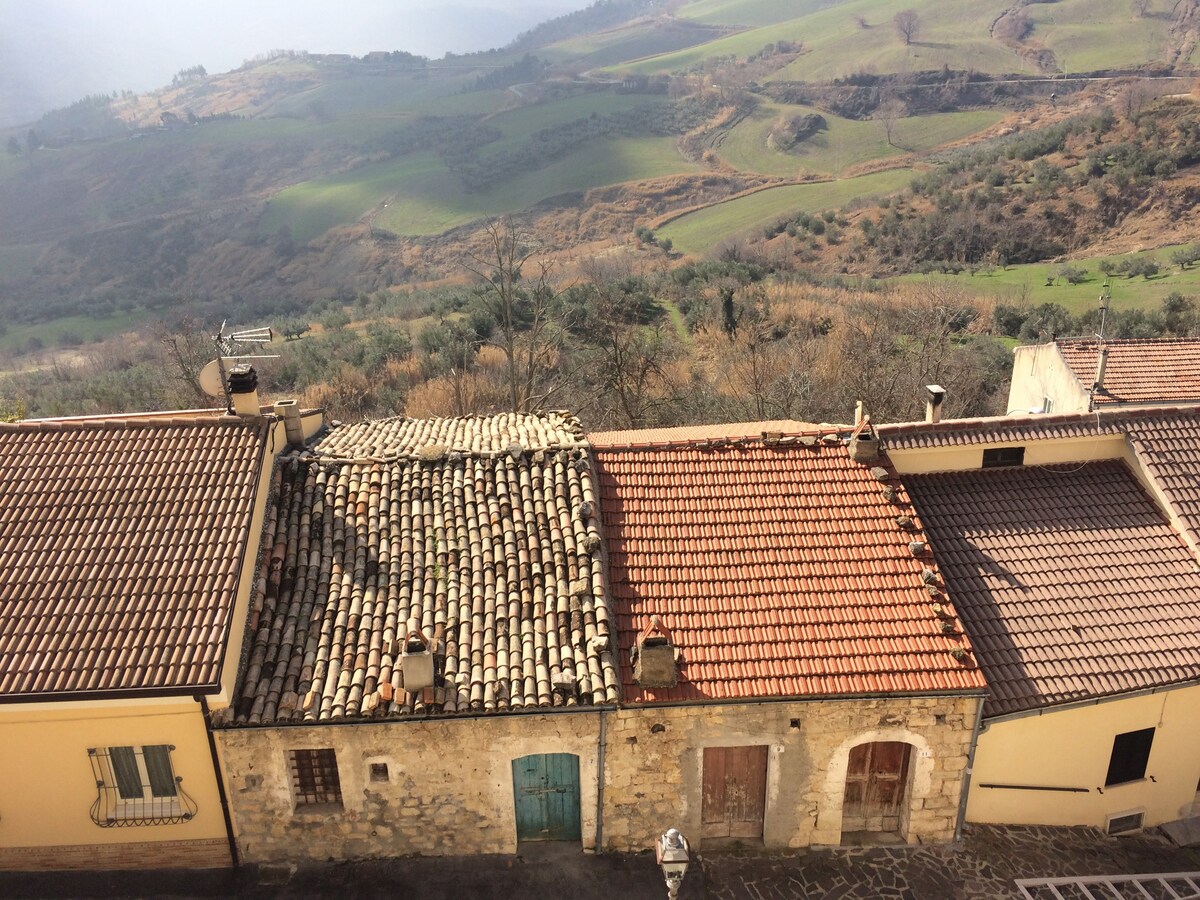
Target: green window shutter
column 125, row 770
column 158, row 767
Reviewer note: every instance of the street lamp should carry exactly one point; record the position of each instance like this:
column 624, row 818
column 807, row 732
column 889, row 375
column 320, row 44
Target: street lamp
column 671, row 851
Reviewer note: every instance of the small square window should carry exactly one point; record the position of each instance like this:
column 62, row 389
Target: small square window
column 1003, row 456
column 379, row 771
column 315, row 777
column 1130, row 754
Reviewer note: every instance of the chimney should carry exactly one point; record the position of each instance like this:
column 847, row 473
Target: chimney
column 243, row 391
column 655, row 662
column 933, row 406
column 1101, row 365
column 289, row 412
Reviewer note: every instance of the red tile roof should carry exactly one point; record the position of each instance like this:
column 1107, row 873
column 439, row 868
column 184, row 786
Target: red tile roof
column 120, row 552
column 779, row 570
column 483, row 529
column 1069, row 579
column 1137, row 371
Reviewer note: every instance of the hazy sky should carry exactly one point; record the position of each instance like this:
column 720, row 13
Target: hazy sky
column 53, row 52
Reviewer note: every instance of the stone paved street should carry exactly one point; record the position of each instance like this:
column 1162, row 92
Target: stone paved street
column 984, row 866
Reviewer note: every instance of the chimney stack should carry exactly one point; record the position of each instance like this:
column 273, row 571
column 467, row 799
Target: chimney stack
column 243, row 391
column 933, row 406
column 289, row 412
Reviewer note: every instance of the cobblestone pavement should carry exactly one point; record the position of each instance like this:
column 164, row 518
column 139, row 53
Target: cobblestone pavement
column 983, row 866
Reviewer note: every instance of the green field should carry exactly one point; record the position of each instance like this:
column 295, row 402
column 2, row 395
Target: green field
column 1080, row 32
column 16, row 339
column 749, row 12
column 700, row 231
column 423, row 197
column 845, row 143
column 1027, row 284
column 635, row 41
column 835, row 44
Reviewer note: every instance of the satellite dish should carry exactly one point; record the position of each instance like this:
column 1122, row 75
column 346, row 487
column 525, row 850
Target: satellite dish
column 210, row 379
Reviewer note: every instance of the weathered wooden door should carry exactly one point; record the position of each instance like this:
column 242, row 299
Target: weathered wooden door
column 876, row 786
column 735, row 792
column 546, row 794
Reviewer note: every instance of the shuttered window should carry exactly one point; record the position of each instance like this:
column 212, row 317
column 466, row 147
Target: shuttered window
column 1130, row 754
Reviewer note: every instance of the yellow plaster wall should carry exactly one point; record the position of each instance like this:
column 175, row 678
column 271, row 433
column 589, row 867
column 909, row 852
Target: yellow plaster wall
column 1071, row 748
column 1041, row 452
column 46, row 783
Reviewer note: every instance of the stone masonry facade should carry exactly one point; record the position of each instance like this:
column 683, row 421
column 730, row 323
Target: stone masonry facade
column 448, row 785
column 654, row 775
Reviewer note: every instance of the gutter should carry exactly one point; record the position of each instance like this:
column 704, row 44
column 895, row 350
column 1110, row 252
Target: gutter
column 216, row 761
column 967, row 772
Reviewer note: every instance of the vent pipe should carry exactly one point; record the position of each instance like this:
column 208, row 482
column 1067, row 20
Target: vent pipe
column 289, row 411
column 243, row 391
column 933, row 405
column 1101, row 365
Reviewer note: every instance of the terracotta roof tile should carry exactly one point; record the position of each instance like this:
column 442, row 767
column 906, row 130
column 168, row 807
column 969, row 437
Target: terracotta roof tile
column 1021, row 429
column 1137, row 371
column 119, row 546
column 779, row 570
column 1069, row 579
column 482, row 529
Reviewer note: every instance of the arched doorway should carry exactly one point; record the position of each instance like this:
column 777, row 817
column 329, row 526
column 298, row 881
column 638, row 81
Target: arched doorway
column 546, row 797
column 875, row 805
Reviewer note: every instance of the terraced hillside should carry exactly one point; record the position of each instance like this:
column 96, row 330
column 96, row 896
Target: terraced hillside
column 305, row 176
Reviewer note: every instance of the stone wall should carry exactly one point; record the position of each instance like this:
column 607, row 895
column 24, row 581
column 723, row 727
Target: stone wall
column 653, row 767
column 449, row 787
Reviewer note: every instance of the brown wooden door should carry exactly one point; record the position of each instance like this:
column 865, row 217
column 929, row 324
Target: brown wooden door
column 876, row 787
column 735, row 792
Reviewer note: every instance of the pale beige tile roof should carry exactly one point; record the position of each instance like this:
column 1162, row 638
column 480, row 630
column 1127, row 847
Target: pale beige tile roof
column 121, row 546
column 1072, row 583
column 483, row 529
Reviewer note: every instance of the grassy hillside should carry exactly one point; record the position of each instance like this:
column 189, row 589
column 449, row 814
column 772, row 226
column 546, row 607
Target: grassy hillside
column 701, row 231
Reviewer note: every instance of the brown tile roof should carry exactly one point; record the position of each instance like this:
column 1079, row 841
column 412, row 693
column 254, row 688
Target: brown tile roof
column 482, row 529
column 778, row 569
column 1137, row 371
column 1168, row 448
column 1021, row 429
column 1070, row 581
column 734, row 431
column 120, row 552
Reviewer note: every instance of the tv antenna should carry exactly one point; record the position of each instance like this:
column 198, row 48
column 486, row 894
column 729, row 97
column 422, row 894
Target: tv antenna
column 214, row 377
column 1101, row 350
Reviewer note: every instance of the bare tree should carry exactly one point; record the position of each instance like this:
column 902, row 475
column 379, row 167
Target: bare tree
column 521, row 310
column 188, row 349
column 889, row 111
column 1139, row 8
column 907, row 24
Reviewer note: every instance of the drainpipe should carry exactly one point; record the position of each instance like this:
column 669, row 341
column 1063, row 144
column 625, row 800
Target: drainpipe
column 212, row 749
column 599, row 844
column 966, row 783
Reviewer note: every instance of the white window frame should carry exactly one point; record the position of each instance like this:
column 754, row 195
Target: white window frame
column 135, row 807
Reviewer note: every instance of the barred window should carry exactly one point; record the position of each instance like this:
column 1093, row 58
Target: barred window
column 138, row 786
column 315, row 777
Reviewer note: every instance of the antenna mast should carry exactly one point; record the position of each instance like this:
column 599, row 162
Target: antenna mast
column 226, row 352
column 1101, row 350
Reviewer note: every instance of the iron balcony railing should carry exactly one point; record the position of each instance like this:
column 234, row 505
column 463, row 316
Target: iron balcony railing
column 137, row 786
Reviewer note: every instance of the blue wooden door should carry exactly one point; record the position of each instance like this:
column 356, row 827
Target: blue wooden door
column 546, row 794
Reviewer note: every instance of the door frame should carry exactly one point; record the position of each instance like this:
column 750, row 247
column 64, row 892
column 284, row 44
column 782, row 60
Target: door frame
column 904, row 786
column 692, row 807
